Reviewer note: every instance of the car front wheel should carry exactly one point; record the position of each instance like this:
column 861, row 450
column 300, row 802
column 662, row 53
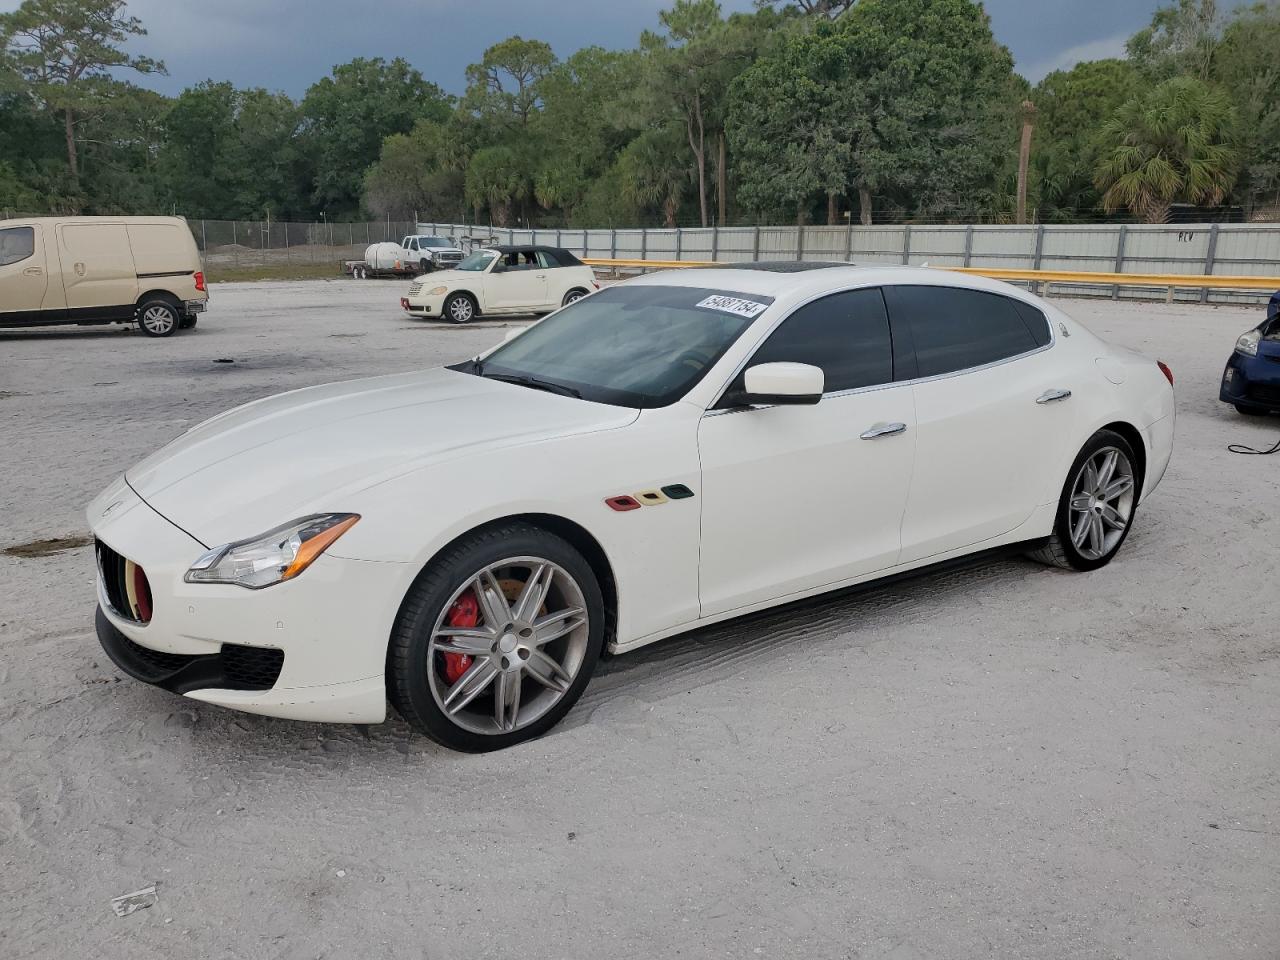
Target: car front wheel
column 1098, row 503
column 497, row 639
column 460, row 308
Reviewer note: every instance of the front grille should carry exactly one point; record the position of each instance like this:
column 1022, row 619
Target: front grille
column 251, row 668
column 1264, row 393
column 450, row 257
column 125, row 584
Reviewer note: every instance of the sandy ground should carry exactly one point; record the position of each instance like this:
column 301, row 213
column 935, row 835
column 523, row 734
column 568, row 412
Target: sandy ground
column 1006, row 761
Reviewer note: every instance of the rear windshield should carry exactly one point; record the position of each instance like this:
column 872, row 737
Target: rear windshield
column 632, row 346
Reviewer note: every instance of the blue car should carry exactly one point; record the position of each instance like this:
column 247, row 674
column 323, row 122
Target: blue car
column 1251, row 381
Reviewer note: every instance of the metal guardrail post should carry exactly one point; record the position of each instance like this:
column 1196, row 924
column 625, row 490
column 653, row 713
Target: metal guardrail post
column 1209, row 257
column 755, row 246
column 906, row 243
column 1037, row 256
column 715, row 242
column 968, row 245
column 1124, row 231
column 679, row 243
column 204, row 240
column 644, row 243
column 800, row 241
column 848, row 240
column 613, row 244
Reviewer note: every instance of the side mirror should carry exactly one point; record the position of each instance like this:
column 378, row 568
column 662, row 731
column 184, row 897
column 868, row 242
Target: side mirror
column 780, row 383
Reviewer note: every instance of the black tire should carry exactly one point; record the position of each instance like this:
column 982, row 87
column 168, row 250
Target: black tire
column 575, row 294
column 426, row 265
column 460, row 308
column 159, row 316
column 408, row 657
column 1250, row 411
column 1060, row 550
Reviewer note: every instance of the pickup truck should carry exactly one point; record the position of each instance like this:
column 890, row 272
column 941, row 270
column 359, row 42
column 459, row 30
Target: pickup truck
column 415, row 254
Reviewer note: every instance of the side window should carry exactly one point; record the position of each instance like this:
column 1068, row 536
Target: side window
column 1036, row 322
column 547, row 261
column 954, row 329
column 16, row 244
column 846, row 334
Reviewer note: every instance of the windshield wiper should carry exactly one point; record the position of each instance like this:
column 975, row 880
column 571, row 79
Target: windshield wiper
column 532, row 382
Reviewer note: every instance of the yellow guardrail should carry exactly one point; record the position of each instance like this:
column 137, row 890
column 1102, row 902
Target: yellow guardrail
column 1169, row 281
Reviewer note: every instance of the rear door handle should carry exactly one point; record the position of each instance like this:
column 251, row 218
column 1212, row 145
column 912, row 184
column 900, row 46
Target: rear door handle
column 1050, row 396
column 34, row 271
column 883, row 430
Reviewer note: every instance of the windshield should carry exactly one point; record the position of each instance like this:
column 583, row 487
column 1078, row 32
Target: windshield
column 433, row 241
column 477, row 262
column 631, row 346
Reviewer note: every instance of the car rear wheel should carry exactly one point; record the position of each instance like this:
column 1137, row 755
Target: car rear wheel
column 572, row 296
column 1097, row 507
column 158, row 317
column 460, row 308
column 496, row 640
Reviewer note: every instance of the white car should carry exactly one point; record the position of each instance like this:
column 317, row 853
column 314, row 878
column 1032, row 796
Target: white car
column 502, row 280
column 672, row 451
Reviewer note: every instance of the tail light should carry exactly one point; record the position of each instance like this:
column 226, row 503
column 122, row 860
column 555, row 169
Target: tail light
column 596, row 284
column 1164, row 368
column 200, row 281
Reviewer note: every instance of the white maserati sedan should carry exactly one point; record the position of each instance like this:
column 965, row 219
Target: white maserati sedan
column 676, row 450
column 502, row 280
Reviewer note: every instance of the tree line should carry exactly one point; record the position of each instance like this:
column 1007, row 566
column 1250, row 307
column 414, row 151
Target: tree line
column 804, row 111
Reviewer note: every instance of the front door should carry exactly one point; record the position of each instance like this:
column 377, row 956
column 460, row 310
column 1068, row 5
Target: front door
column 984, row 445
column 98, row 270
column 516, row 283
column 24, row 276
column 793, row 497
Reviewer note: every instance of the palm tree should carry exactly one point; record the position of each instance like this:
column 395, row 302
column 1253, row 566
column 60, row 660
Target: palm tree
column 653, row 173
column 1175, row 143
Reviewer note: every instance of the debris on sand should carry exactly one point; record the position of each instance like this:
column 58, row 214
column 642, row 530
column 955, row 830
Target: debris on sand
column 43, row 548
column 138, row 900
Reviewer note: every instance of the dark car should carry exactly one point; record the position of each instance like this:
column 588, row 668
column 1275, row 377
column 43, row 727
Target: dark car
column 1251, row 381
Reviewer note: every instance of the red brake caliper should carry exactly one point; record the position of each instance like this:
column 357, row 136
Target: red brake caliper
column 465, row 612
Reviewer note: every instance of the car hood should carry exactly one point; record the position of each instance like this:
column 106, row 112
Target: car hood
column 288, row 456
column 450, row 276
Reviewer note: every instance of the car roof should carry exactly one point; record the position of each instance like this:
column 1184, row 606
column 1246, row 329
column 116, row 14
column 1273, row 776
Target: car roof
column 768, row 279
column 530, row 248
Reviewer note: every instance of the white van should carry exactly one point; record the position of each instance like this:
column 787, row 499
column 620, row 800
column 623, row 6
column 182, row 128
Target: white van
column 101, row 270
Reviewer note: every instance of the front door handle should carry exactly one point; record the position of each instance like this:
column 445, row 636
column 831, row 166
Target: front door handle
column 1050, row 396
column 883, row 430
column 34, row 271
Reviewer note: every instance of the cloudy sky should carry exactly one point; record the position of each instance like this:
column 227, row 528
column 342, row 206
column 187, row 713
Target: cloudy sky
column 288, row 44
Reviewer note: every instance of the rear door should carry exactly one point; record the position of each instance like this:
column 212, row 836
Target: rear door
column 24, row 277
column 984, row 445
column 98, row 271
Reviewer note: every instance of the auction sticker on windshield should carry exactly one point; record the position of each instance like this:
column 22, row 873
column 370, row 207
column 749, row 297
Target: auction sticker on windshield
column 734, row 305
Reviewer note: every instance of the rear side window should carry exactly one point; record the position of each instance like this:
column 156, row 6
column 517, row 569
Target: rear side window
column 16, row 244
column 846, row 334
column 955, row 329
column 547, row 260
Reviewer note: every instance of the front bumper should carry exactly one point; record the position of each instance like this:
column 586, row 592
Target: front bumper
column 313, row 648
column 422, row 306
column 1251, row 382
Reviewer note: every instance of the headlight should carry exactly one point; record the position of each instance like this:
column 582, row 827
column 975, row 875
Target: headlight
column 437, row 291
column 1248, row 343
column 278, row 555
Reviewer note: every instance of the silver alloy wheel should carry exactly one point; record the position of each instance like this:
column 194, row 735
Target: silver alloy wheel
column 159, row 319
column 573, row 297
column 1101, row 503
column 525, row 651
column 461, row 310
